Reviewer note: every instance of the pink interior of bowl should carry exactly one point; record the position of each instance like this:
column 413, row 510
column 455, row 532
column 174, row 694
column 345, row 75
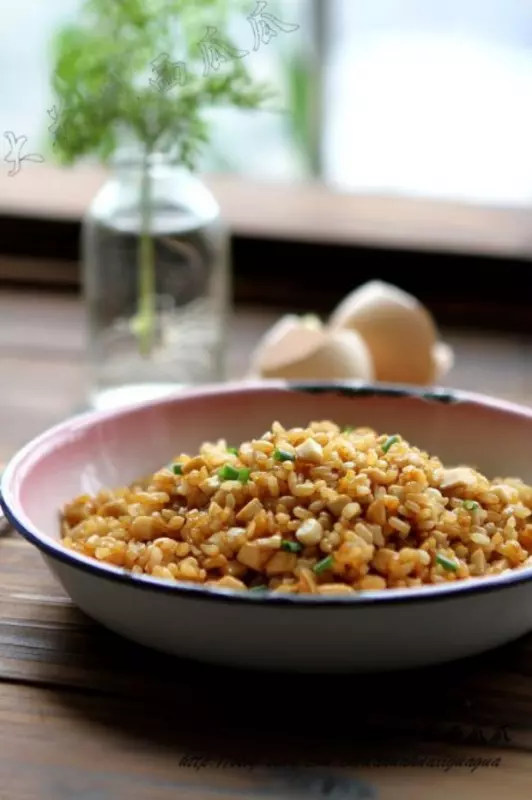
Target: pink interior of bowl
column 104, row 450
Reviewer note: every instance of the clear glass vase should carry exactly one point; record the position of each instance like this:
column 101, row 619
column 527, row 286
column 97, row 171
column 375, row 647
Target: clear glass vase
column 156, row 283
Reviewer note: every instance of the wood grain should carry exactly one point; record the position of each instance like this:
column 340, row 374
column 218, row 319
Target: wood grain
column 42, row 370
column 78, row 705
column 42, row 367
column 44, row 640
column 306, row 211
column 80, row 746
column 85, row 714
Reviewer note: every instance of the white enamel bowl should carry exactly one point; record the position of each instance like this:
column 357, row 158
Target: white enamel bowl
column 370, row 632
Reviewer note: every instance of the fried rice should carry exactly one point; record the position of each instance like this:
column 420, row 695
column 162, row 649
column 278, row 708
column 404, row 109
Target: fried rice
column 318, row 509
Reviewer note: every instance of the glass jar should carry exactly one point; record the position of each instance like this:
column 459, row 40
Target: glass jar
column 156, row 283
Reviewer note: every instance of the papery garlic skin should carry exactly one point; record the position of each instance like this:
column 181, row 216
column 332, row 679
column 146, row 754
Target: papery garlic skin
column 397, row 329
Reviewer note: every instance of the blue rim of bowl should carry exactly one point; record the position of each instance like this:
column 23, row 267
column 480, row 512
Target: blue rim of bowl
column 386, row 597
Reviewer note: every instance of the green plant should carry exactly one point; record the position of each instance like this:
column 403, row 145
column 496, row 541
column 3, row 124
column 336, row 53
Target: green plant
column 109, row 88
column 301, row 97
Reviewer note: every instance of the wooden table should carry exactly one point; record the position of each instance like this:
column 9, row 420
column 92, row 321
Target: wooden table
column 87, row 715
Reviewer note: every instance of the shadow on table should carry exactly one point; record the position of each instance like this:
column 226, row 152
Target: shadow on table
column 234, row 715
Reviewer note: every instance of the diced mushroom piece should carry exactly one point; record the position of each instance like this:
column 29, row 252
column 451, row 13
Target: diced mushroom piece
column 194, row 463
column 310, row 450
column 458, row 476
column 335, row 588
column 269, row 542
column 281, row 563
column 189, row 570
column 252, row 556
column 508, row 494
column 210, row 485
column 249, row 511
column 114, row 508
column 309, row 533
column 228, row 582
column 337, row 505
column 142, row 528
column 235, row 538
column 352, row 510
column 307, row 581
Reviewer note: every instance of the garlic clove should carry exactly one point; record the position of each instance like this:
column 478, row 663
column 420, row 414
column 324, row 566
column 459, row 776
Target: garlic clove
column 311, row 354
column 398, row 330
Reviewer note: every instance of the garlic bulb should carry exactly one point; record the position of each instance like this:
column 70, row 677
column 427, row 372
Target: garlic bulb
column 302, row 349
column 397, row 329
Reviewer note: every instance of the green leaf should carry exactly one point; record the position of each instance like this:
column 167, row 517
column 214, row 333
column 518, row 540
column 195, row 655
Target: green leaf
column 447, row 563
column 390, row 441
column 291, row 547
column 324, row 565
column 107, row 73
column 300, row 104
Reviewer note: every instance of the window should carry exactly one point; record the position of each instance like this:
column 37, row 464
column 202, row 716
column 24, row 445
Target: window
column 409, row 118
column 430, row 98
column 261, row 144
column 27, row 26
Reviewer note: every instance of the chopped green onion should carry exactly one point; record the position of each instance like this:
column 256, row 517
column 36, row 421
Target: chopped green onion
column 348, row 429
column 471, row 505
column 228, row 473
column 283, row 455
column 290, row 547
column 243, row 474
column 446, row 563
column 177, row 469
column 233, row 450
column 391, row 440
column 323, row 565
column 261, row 588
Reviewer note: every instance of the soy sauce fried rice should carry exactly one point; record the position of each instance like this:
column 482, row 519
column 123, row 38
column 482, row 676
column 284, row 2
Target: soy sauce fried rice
column 319, row 510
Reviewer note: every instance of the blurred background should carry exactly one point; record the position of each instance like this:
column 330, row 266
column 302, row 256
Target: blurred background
column 422, row 97
column 402, row 151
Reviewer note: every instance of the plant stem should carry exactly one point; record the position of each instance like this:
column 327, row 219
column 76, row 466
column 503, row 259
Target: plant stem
column 146, row 265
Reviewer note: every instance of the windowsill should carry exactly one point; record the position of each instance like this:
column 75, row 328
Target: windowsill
column 302, row 245
column 305, row 212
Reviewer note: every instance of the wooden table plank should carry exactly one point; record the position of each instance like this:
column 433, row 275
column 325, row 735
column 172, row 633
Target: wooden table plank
column 42, row 370
column 85, row 714
column 45, row 640
column 43, row 377
column 93, row 748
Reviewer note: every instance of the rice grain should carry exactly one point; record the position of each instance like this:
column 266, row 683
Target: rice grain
column 339, row 512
